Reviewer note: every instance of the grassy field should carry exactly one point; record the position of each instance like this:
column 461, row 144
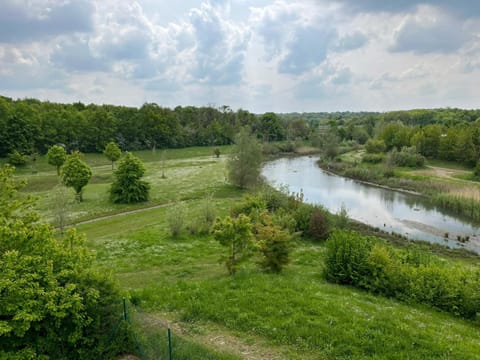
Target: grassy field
column 252, row 315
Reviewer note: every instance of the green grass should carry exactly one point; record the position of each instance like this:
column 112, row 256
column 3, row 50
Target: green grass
column 296, row 312
column 447, row 164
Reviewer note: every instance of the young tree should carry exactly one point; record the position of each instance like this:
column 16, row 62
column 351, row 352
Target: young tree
column 56, row 156
column 112, row 152
column 274, row 244
column 236, row 235
column 245, row 161
column 128, row 187
column 52, row 304
column 60, row 209
column 76, row 174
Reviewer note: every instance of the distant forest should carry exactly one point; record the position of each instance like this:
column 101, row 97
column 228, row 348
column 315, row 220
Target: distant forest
column 32, row 126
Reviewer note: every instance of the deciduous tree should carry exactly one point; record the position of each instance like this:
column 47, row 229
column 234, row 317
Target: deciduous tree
column 56, row 156
column 245, row 161
column 236, row 235
column 112, row 152
column 52, row 304
column 76, row 174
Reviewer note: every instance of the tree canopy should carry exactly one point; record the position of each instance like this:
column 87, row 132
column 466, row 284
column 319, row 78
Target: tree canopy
column 52, row 303
column 112, row 152
column 56, row 156
column 245, row 160
column 128, row 187
column 76, row 174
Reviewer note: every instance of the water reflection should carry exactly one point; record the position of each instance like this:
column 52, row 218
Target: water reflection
column 406, row 214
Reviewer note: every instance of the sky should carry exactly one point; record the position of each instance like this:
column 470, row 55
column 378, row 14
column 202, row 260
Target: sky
column 281, row 56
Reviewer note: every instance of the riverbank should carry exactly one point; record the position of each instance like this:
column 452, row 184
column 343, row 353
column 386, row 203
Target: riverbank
column 448, row 192
column 383, row 207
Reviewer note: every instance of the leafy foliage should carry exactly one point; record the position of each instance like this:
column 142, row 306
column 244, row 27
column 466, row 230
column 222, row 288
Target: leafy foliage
column 408, row 156
column 364, row 262
column 236, row 235
column 375, row 146
column 53, row 305
column 245, row 161
column 112, row 152
column 176, row 219
column 273, row 242
column 128, row 187
column 76, row 174
column 16, row 159
column 56, row 156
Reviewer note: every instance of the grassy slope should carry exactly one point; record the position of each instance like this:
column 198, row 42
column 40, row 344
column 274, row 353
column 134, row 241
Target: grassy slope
column 293, row 313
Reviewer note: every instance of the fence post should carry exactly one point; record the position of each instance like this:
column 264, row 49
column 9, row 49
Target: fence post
column 125, row 315
column 169, row 343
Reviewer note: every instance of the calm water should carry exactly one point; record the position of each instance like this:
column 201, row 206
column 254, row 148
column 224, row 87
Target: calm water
column 389, row 210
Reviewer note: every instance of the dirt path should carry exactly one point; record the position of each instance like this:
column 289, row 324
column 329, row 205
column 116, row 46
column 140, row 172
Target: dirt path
column 123, row 213
column 445, row 173
column 215, row 337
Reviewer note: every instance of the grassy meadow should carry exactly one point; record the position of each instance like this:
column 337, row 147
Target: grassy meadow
column 179, row 282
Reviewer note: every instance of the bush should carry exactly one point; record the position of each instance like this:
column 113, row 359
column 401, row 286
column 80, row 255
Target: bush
column 303, row 216
column 319, row 227
column 176, row 219
column 375, row 146
column 346, row 260
column 372, row 158
column 274, row 244
column 251, row 204
column 408, row 157
column 411, row 276
column 16, row 159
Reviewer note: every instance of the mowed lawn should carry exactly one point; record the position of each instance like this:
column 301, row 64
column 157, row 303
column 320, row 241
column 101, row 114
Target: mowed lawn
column 293, row 315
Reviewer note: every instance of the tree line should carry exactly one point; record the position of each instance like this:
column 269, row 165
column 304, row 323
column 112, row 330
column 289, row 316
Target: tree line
column 29, row 126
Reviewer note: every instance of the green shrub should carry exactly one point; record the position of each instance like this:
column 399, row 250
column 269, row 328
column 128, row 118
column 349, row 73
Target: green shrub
column 176, row 219
column 362, row 174
column 346, row 259
column 302, row 216
column 375, row 146
column 250, row 204
column 408, row 157
column 319, row 227
column 273, row 242
column 16, row 159
column 410, row 276
column 372, row 158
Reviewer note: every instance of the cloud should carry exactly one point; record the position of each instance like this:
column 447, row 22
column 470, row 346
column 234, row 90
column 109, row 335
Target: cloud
column 351, row 41
column 429, row 31
column 464, row 8
column 23, row 20
column 22, row 70
column 297, row 36
column 307, row 48
column 328, row 80
column 75, row 55
column 219, row 46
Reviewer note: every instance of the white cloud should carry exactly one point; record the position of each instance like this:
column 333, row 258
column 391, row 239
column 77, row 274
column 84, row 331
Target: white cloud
column 430, row 30
column 256, row 54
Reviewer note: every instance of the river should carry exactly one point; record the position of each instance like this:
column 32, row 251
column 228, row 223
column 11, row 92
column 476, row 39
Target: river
column 406, row 214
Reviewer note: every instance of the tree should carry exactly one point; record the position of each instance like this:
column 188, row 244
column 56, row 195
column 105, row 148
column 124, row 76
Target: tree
column 274, row 244
column 56, row 156
column 112, row 152
column 245, row 161
column 52, row 304
column 76, row 174
column 270, row 127
column 236, row 235
column 128, row 187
